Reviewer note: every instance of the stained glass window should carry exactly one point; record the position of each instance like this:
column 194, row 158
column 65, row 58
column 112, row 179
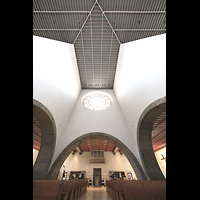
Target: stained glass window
column 97, row 100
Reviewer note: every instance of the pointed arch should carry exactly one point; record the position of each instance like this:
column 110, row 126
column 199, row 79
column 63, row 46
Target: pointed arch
column 48, row 140
column 54, row 170
column 144, row 132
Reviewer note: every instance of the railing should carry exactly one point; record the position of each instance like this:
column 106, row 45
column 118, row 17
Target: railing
column 97, row 160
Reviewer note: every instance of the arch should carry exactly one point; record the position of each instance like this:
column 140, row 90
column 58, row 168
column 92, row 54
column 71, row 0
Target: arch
column 48, row 139
column 144, row 131
column 53, row 172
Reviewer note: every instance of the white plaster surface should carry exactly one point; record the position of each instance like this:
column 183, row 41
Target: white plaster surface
column 56, row 82
column 140, row 79
column 80, row 162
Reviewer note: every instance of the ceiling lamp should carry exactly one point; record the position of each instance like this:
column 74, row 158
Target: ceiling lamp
column 97, row 100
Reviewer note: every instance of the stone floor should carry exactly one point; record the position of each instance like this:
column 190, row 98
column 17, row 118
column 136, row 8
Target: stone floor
column 95, row 193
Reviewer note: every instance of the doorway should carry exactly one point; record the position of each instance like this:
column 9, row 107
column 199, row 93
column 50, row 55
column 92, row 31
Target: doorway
column 97, row 177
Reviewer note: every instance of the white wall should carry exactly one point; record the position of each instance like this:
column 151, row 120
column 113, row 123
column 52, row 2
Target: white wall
column 161, row 163
column 140, row 79
column 85, row 121
column 35, row 154
column 80, row 162
column 56, row 82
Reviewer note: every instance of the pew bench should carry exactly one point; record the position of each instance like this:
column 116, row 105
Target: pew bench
column 136, row 190
column 58, row 190
column 46, row 189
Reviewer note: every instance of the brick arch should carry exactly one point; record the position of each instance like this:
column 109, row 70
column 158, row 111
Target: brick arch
column 54, row 170
column 48, row 140
column 144, row 133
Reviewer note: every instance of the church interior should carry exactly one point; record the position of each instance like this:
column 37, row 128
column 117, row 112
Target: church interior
column 99, row 99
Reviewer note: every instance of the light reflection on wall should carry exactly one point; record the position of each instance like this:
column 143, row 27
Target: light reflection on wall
column 161, row 163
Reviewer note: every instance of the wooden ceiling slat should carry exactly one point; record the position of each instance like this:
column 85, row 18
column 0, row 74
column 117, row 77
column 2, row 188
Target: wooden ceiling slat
column 36, row 147
column 159, row 132
column 96, row 144
column 36, row 134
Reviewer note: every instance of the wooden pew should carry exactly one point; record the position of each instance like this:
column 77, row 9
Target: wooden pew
column 115, row 189
column 142, row 190
column 83, row 186
column 119, row 190
column 67, row 190
column 46, row 189
column 109, row 187
column 58, row 190
column 137, row 190
column 73, row 189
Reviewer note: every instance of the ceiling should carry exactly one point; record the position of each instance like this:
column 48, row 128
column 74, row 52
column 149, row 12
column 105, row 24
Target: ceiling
column 97, row 144
column 36, row 134
column 97, row 51
column 97, row 28
column 159, row 132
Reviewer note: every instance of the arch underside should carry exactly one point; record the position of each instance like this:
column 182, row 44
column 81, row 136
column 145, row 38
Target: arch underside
column 144, row 136
column 48, row 139
column 53, row 172
column 144, row 130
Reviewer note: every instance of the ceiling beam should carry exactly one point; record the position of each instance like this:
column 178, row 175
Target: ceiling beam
column 115, row 150
column 36, row 138
column 84, row 22
column 140, row 29
column 35, row 142
column 36, row 147
column 158, row 134
column 100, row 145
column 60, row 29
column 157, row 148
column 86, row 146
column 159, row 123
column 37, row 133
column 92, row 144
column 108, row 22
column 159, row 141
column 78, row 149
column 120, row 11
column 34, row 124
column 137, row 12
column 107, row 146
column 58, row 11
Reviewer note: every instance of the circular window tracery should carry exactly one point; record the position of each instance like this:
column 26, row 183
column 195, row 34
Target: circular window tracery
column 97, row 100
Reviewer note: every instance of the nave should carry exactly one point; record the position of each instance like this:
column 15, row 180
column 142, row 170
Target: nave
column 114, row 190
column 97, row 193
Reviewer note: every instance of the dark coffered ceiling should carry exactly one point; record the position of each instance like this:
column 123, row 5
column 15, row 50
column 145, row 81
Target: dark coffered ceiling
column 97, row 28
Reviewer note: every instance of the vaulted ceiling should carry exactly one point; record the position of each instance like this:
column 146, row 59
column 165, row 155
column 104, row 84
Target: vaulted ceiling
column 97, row 28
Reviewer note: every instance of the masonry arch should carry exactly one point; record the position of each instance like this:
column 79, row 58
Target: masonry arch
column 53, row 172
column 48, row 139
column 144, row 131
